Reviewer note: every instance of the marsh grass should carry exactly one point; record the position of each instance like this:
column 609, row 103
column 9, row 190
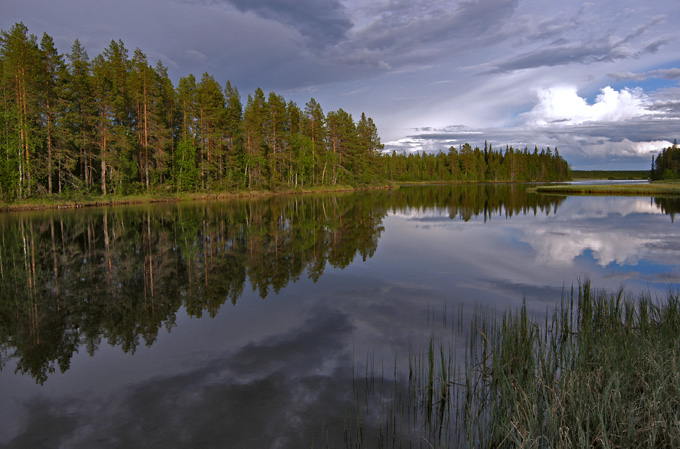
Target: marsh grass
column 655, row 188
column 601, row 371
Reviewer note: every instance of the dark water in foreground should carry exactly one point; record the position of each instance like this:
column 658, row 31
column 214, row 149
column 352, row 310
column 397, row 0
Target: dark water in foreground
column 243, row 323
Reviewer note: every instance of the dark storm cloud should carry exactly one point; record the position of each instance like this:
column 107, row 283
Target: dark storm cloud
column 324, row 22
column 594, row 49
column 552, row 29
column 668, row 74
column 563, row 55
column 407, row 32
column 343, row 45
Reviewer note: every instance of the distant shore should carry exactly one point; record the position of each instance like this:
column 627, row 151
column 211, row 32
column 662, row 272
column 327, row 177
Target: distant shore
column 655, row 188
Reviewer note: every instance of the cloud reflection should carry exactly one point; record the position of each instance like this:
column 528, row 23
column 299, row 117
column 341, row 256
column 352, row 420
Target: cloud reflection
column 272, row 393
column 606, row 227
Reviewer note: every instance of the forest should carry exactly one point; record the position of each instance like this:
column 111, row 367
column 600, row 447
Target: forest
column 667, row 164
column 115, row 124
column 490, row 165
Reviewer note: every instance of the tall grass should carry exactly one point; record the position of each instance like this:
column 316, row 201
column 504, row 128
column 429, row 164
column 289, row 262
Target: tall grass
column 601, row 371
column 604, row 372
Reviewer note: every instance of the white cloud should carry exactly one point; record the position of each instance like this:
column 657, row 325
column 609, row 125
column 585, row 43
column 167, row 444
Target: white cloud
column 650, row 147
column 563, row 106
column 623, row 148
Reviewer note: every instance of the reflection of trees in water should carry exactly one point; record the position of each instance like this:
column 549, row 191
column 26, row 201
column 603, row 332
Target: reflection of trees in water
column 668, row 205
column 71, row 279
column 76, row 278
column 473, row 200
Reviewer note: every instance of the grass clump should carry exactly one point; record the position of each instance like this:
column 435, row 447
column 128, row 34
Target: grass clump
column 604, row 372
column 601, row 371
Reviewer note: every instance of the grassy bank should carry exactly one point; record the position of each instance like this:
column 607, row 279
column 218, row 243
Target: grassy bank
column 79, row 201
column 661, row 188
column 610, row 174
column 601, row 371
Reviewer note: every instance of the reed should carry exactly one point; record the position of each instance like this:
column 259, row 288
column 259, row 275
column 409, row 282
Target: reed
column 600, row 371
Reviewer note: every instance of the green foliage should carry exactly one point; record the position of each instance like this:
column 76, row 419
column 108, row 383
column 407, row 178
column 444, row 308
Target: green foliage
column 186, row 171
column 117, row 125
column 468, row 164
column 603, row 372
column 666, row 166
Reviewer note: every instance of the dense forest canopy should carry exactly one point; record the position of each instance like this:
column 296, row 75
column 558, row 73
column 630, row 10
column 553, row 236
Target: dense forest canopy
column 116, row 124
column 466, row 164
column 667, row 163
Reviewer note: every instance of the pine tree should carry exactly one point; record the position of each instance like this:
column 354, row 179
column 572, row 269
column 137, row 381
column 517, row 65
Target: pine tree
column 163, row 118
column 186, row 98
column 104, row 113
column 211, row 114
column 277, row 137
column 344, row 138
column 21, row 64
column 79, row 119
column 234, row 133
column 141, row 81
column 315, row 129
column 254, row 126
column 52, row 103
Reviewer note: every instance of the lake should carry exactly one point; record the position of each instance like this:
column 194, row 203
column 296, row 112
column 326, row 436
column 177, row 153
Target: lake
column 248, row 323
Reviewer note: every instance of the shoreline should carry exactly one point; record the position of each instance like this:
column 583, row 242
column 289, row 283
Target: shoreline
column 660, row 188
column 56, row 203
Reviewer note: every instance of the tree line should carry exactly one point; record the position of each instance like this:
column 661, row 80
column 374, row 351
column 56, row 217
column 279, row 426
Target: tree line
column 667, row 163
column 468, row 164
column 115, row 124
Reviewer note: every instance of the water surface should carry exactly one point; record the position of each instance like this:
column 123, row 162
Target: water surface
column 243, row 323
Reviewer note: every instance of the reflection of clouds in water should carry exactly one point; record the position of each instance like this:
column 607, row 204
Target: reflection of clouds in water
column 273, row 393
column 616, row 230
column 607, row 226
column 623, row 239
column 598, row 207
column 562, row 247
column 584, row 208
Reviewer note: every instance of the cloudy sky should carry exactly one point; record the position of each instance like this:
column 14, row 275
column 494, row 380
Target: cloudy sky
column 598, row 80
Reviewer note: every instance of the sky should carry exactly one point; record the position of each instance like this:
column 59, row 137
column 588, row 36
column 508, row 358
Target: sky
column 599, row 81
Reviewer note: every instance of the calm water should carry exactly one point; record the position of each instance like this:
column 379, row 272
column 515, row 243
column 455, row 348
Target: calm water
column 243, row 324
